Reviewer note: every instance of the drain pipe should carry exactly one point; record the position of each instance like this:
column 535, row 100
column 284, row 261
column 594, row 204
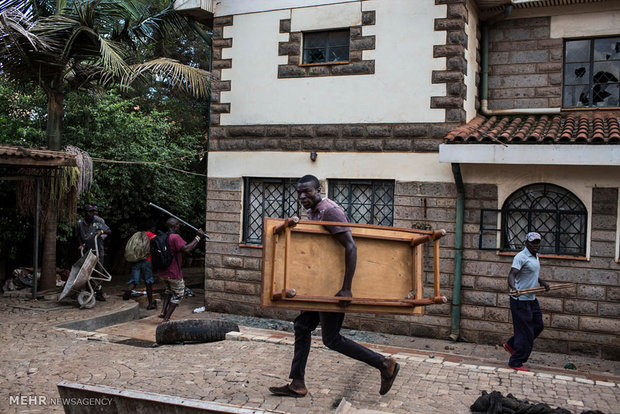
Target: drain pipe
column 205, row 160
column 484, row 76
column 458, row 252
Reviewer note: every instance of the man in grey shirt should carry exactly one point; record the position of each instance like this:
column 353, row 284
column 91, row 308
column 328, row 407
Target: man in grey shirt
column 324, row 209
column 526, row 315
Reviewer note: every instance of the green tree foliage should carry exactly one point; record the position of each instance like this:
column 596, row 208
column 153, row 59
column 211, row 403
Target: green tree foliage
column 66, row 46
column 111, row 126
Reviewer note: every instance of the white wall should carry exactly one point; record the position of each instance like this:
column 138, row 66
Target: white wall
column 577, row 179
column 380, row 166
column 399, row 91
column 232, row 7
column 471, row 28
column 586, row 24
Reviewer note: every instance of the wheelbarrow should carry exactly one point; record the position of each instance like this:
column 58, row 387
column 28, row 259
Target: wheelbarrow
column 81, row 278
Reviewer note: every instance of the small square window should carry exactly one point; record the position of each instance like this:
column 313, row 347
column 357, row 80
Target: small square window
column 326, row 47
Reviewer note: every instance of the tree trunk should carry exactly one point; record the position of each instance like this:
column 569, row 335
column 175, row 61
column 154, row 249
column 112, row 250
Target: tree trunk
column 54, row 119
column 54, row 141
column 48, row 262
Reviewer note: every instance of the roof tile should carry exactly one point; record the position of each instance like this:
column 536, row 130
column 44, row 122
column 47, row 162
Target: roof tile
column 591, row 127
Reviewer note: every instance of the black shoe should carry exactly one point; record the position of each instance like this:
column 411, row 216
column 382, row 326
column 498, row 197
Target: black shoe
column 151, row 306
column 100, row 297
column 126, row 295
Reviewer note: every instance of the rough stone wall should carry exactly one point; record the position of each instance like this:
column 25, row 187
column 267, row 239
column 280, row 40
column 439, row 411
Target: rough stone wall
column 525, row 65
column 355, row 66
column 581, row 321
column 418, row 137
column 456, row 63
column 584, row 321
column 232, row 283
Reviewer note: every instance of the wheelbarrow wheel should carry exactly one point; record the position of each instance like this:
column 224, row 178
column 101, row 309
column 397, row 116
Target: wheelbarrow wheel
column 86, row 299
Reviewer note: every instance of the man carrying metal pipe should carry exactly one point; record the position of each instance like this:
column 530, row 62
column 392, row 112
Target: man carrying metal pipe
column 526, row 315
column 173, row 275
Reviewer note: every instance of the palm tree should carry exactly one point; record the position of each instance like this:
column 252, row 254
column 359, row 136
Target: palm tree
column 66, row 45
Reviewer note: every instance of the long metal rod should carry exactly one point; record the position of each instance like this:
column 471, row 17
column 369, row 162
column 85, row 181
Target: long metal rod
column 35, row 261
column 175, row 217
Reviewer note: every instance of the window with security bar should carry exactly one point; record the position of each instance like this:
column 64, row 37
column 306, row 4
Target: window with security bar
column 326, row 47
column 554, row 212
column 365, row 201
column 592, row 73
column 267, row 197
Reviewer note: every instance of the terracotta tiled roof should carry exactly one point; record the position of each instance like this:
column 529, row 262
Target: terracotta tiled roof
column 30, row 157
column 596, row 127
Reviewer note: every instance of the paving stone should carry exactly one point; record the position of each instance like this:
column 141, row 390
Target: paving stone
column 239, row 370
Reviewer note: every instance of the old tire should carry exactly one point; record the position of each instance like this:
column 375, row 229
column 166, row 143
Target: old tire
column 193, row 330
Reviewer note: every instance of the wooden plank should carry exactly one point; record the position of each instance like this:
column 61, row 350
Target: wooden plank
column 310, row 261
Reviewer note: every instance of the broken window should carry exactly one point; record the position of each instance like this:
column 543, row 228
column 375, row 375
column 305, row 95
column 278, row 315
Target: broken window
column 326, row 47
column 367, row 202
column 592, row 73
column 267, row 197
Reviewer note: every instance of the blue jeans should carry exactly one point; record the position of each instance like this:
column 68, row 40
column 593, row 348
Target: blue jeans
column 527, row 325
column 141, row 270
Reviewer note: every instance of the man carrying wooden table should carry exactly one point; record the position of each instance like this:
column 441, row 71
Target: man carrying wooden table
column 526, row 315
column 324, row 209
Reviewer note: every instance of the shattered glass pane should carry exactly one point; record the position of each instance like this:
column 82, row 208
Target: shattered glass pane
column 577, row 74
column 607, row 49
column 314, row 56
column 329, row 46
column 605, row 95
column 339, row 54
column 576, row 96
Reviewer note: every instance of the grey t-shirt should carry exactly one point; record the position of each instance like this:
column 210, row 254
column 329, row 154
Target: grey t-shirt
column 327, row 210
column 529, row 268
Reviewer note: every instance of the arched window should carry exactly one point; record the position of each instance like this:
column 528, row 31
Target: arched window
column 554, row 212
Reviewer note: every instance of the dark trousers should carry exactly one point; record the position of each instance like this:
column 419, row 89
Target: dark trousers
column 331, row 323
column 527, row 324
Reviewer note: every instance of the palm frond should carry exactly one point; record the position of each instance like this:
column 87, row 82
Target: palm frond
column 193, row 80
column 165, row 24
column 18, row 44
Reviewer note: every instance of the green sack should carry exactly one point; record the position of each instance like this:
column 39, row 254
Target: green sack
column 138, row 247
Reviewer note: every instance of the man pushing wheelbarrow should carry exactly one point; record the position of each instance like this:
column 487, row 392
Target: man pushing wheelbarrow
column 91, row 229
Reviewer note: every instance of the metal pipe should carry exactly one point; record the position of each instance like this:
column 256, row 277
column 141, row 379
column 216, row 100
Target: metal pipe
column 175, row 217
column 35, row 261
column 458, row 252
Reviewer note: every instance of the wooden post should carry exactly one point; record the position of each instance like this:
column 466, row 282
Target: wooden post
column 419, row 272
column 273, row 265
column 287, row 248
column 436, row 266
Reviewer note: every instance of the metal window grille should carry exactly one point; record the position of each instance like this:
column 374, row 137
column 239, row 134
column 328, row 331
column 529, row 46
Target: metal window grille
column 554, row 212
column 591, row 73
column 368, row 202
column 328, row 46
column 266, row 197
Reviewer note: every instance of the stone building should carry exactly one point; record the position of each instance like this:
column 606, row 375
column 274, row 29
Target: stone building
column 485, row 119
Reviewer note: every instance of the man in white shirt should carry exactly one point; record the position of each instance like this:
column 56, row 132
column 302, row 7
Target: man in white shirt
column 526, row 315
